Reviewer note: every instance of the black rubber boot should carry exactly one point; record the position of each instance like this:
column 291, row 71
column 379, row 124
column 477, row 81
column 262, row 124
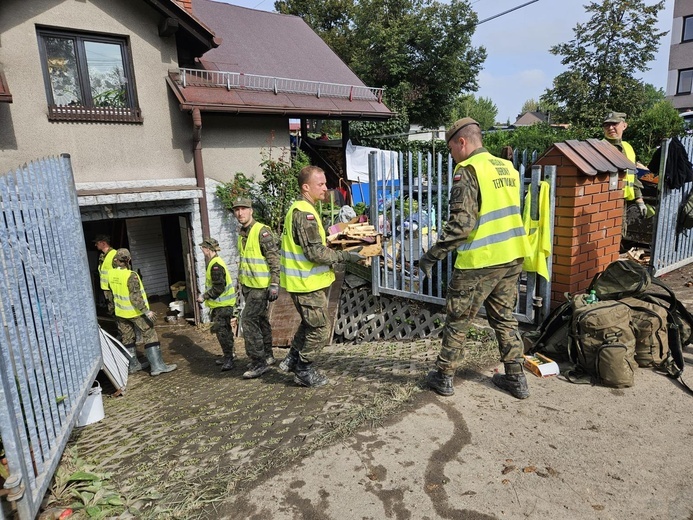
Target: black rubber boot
column 135, row 365
column 227, row 364
column 306, row 375
column 440, row 383
column 288, row 364
column 153, row 353
column 515, row 383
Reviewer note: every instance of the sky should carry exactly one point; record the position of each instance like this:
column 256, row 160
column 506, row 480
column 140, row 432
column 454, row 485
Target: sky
column 518, row 65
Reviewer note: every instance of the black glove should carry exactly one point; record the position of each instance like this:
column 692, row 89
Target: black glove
column 426, row 266
column 272, row 292
column 352, row 256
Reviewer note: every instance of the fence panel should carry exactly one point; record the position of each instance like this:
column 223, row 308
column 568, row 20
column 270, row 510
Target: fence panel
column 49, row 346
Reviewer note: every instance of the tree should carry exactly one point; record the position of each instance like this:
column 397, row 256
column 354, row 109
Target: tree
column 607, row 52
column 481, row 109
column 658, row 122
column 419, row 50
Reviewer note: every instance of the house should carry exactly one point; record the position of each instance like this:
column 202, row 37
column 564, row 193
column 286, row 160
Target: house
column 419, row 133
column 141, row 94
column 530, row 118
column 680, row 77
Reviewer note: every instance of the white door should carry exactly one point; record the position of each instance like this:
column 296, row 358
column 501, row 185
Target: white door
column 148, row 254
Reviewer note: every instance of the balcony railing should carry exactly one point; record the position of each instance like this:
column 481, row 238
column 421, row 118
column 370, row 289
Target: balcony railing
column 239, row 80
column 97, row 114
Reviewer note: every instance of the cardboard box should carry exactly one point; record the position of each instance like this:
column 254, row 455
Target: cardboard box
column 176, row 288
column 541, row 366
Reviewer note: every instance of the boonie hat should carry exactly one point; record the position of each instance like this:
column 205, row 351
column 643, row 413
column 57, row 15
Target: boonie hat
column 210, row 243
column 100, row 238
column 457, row 126
column 122, row 255
column 615, row 117
column 242, row 202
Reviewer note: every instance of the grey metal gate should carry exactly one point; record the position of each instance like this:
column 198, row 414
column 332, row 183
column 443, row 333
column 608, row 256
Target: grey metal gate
column 669, row 249
column 408, row 202
column 49, row 345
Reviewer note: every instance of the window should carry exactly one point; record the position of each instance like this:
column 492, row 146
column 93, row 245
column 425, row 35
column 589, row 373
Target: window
column 88, row 77
column 685, row 81
column 687, row 29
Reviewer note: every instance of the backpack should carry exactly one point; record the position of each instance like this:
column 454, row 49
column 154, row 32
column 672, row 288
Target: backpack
column 603, row 341
column 553, row 336
column 620, row 279
column 651, row 333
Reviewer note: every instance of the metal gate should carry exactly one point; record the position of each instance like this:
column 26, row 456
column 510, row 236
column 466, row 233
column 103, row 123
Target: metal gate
column 670, row 250
column 408, row 202
column 49, row 345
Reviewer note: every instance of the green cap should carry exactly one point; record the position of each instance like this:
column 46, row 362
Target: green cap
column 122, row 255
column 210, row 243
column 457, row 126
column 242, row 202
column 102, row 238
column 615, row 117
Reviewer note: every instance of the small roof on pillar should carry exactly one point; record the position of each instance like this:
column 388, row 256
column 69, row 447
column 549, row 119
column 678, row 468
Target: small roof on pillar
column 593, row 156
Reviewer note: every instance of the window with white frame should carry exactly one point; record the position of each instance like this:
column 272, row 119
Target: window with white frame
column 88, row 77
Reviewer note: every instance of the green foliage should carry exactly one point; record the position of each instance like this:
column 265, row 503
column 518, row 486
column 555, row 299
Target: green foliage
column 419, row 50
column 646, row 132
column 617, row 42
column 535, row 137
column 481, row 109
column 386, row 135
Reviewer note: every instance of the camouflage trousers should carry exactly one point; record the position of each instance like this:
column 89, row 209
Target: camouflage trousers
column 108, row 296
column 313, row 332
column 128, row 327
column 221, row 326
column 257, row 332
column 469, row 289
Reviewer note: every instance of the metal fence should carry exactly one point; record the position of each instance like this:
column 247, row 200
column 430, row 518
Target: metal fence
column 409, row 203
column 49, row 345
column 669, row 249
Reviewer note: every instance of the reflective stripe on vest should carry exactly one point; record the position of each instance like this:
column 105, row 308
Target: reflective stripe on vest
column 499, row 235
column 253, row 270
column 105, row 267
column 629, row 188
column 297, row 273
column 228, row 297
column 118, row 282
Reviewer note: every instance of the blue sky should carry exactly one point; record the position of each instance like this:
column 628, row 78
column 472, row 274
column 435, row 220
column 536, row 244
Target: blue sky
column 519, row 66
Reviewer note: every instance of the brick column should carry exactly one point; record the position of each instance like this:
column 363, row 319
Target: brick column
column 587, row 230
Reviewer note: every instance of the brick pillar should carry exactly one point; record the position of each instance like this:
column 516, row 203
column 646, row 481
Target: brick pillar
column 187, row 4
column 587, row 230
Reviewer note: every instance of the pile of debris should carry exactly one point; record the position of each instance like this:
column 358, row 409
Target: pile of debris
column 357, row 233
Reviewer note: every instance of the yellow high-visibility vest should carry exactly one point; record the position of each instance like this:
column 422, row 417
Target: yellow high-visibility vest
column 228, row 297
column 629, row 188
column 499, row 235
column 253, row 270
column 118, row 283
column 298, row 274
column 105, row 267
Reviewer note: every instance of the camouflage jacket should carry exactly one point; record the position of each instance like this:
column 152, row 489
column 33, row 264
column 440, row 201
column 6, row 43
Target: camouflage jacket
column 268, row 247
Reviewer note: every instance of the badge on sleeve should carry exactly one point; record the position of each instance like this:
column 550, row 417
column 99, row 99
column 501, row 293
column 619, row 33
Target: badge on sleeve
column 310, row 216
column 265, row 234
column 456, row 178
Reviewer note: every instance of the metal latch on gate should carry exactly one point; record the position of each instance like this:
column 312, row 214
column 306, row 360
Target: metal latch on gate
column 14, row 484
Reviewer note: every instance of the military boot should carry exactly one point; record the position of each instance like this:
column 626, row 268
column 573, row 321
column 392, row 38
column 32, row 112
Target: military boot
column 440, row 383
column 256, row 369
column 227, row 363
column 153, row 353
column 134, row 364
column 288, row 364
column 306, row 375
column 514, row 382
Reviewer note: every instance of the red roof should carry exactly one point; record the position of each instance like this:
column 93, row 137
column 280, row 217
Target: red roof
column 276, row 46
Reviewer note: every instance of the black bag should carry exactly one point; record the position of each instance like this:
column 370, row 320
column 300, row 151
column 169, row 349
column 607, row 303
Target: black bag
column 620, row 279
column 553, row 336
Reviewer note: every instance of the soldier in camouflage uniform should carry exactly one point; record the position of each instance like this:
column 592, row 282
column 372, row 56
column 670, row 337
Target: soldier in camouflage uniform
column 133, row 314
column 220, row 297
column 306, row 272
column 485, row 227
column 103, row 244
column 258, row 276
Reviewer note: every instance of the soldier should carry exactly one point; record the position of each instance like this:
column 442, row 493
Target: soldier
column 133, row 313
column 306, row 271
column 614, row 125
column 258, row 275
column 485, row 227
column 220, row 297
column 103, row 244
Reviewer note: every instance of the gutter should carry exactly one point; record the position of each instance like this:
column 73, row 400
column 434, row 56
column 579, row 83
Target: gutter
column 199, row 168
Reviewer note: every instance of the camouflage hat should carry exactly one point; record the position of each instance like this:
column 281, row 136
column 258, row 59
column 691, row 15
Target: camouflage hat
column 210, row 243
column 457, row 126
column 242, row 202
column 102, row 238
column 615, row 117
column 122, row 255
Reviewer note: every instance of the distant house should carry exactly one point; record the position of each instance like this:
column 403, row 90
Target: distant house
column 680, row 77
column 157, row 102
column 419, row 133
column 530, row 118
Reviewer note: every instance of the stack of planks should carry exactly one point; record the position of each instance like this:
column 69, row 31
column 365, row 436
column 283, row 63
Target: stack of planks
column 354, row 234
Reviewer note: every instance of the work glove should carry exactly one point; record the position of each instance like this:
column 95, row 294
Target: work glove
column 272, row 292
column 642, row 208
column 353, row 256
column 426, row 266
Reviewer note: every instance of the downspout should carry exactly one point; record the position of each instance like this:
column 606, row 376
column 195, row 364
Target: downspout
column 199, row 169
